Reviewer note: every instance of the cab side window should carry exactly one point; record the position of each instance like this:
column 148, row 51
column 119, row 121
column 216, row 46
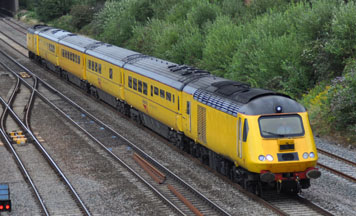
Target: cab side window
column 161, row 93
column 140, row 86
column 110, row 73
column 130, row 82
column 134, row 83
column 144, row 88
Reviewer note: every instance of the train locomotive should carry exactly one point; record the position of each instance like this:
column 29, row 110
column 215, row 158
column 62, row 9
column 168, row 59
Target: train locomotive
column 254, row 136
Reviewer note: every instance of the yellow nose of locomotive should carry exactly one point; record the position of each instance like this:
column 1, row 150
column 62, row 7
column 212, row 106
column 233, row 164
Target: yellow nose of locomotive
column 283, row 150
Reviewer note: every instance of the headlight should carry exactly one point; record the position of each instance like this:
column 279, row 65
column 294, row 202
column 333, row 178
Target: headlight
column 261, row 158
column 312, row 155
column 269, row 157
column 305, row 155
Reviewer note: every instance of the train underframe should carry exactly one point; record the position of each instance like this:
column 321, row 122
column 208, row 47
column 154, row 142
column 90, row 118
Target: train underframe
column 286, row 182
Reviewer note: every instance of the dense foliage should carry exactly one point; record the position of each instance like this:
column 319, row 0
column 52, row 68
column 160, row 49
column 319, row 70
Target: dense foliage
column 305, row 48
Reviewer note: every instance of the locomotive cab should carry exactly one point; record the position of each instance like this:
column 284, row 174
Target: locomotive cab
column 279, row 147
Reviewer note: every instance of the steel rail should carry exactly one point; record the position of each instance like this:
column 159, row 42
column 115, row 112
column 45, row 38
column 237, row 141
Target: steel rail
column 49, row 158
column 39, row 145
column 132, row 145
column 337, row 157
column 10, row 38
column 5, row 42
column 13, row 151
column 314, row 206
column 350, row 178
column 11, row 23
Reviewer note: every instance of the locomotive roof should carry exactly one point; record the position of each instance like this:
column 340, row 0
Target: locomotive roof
column 220, row 93
column 77, row 42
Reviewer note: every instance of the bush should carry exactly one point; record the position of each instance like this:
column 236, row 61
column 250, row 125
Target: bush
column 221, row 42
column 342, row 99
column 82, row 15
column 343, row 32
column 50, row 9
column 64, row 22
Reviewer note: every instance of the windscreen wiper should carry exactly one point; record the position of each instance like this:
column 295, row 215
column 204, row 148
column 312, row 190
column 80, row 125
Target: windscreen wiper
column 274, row 134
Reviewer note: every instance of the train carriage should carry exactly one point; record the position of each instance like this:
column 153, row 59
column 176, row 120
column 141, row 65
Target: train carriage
column 254, row 136
column 72, row 58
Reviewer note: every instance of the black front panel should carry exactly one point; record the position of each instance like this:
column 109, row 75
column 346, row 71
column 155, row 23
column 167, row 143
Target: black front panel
column 286, row 147
column 288, row 156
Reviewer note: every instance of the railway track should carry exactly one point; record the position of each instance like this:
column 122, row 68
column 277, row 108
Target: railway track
column 337, row 165
column 294, row 204
column 34, row 160
column 104, row 134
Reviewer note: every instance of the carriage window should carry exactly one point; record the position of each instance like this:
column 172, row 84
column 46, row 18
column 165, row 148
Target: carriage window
column 92, row 65
column 75, row 58
column 100, row 68
column 173, row 99
column 151, row 90
column 110, row 73
column 130, row 82
column 161, row 93
column 89, row 64
column 145, row 88
column 168, row 96
column 78, row 59
column 96, row 67
column 71, row 56
column 140, row 86
column 134, row 83
column 156, row 91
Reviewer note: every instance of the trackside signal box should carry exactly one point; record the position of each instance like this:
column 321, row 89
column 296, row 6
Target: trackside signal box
column 5, row 202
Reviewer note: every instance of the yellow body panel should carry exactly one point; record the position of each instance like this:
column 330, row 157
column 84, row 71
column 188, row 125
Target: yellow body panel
column 257, row 145
column 30, row 42
column 48, row 50
column 154, row 105
column 102, row 79
column 67, row 61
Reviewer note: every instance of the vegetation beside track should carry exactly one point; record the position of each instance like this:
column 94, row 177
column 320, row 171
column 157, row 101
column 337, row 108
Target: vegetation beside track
column 305, row 48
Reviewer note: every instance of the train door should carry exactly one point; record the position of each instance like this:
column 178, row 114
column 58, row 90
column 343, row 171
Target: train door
column 189, row 115
column 239, row 138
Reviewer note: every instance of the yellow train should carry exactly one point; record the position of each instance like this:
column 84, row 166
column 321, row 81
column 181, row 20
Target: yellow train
column 254, row 136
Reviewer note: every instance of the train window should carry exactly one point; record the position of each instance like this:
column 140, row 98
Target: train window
column 110, row 73
column 62, row 52
column 173, row 99
column 178, row 103
column 89, row 64
column 78, row 59
column 134, row 83
column 140, row 86
column 245, row 132
column 188, row 108
column 168, row 96
column 71, row 56
column 151, row 90
column 92, row 65
column 161, row 93
column 75, row 58
column 156, row 91
column 100, row 68
column 130, row 82
column 145, row 88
